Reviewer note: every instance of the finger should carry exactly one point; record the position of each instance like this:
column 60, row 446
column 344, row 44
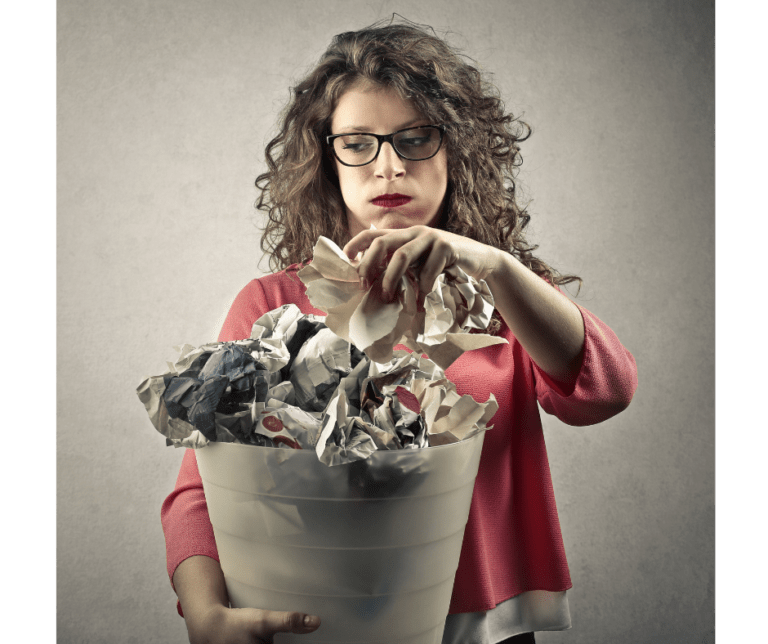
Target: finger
column 402, row 258
column 361, row 241
column 440, row 257
column 377, row 255
column 272, row 621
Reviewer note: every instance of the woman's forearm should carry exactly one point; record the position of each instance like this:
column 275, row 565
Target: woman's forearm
column 547, row 324
column 199, row 584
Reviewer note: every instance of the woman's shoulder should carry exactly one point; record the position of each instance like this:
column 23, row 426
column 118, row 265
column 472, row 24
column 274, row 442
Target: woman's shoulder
column 283, row 287
column 276, row 289
column 261, row 295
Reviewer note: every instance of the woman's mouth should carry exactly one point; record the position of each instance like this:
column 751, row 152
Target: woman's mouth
column 391, row 201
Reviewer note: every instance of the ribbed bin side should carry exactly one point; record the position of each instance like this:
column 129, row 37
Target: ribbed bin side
column 342, row 523
column 354, row 571
column 431, row 636
column 373, row 618
column 371, row 547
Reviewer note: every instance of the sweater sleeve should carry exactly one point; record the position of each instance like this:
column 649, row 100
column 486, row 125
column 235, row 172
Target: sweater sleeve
column 185, row 520
column 184, row 514
column 604, row 385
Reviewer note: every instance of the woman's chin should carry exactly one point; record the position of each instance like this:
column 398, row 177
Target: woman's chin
column 398, row 223
column 395, row 219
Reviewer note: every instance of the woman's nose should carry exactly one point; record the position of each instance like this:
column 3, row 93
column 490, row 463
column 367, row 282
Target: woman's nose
column 388, row 164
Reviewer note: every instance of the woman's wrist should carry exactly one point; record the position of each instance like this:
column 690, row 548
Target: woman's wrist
column 510, row 289
column 502, row 270
column 205, row 620
column 546, row 323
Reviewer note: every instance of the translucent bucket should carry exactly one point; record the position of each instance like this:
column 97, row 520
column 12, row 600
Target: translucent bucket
column 371, row 547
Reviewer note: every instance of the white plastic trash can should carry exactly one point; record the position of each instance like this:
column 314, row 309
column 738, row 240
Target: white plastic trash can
column 371, row 547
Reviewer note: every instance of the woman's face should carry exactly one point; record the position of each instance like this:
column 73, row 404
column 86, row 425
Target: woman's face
column 423, row 184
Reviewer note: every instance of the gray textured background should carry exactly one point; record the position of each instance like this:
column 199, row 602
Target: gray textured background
column 164, row 110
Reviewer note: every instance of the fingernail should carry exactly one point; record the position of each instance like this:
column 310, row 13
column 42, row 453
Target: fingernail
column 364, row 284
column 310, row 620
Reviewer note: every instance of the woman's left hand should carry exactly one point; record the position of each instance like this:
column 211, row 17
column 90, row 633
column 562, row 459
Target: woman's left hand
column 545, row 322
column 391, row 252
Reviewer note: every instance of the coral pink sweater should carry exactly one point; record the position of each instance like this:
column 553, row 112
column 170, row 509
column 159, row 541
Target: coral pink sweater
column 512, row 542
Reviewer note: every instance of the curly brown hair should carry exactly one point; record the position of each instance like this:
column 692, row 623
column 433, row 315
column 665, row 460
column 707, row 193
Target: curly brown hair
column 300, row 190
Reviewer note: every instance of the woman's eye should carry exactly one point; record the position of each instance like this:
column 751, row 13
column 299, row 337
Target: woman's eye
column 415, row 142
column 357, row 147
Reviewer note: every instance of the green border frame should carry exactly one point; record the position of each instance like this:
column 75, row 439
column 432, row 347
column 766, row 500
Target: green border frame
column 741, row 323
column 28, row 470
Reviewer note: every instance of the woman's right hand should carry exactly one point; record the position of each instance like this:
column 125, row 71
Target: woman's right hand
column 199, row 583
column 223, row 625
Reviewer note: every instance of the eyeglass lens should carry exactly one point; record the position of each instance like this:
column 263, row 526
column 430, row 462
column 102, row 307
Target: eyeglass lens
column 414, row 144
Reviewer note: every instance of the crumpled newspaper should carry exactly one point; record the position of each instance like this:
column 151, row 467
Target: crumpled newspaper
column 365, row 413
column 296, row 384
column 456, row 304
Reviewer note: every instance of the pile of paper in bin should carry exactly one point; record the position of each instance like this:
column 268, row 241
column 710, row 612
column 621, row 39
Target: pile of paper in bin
column 331, row 383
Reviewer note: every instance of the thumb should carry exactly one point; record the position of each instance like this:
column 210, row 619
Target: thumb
column 270, row 622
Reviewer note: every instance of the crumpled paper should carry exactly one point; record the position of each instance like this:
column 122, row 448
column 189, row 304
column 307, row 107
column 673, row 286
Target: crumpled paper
column 456, row 304
column 209, row 392
column 296, row 384
column 220, row 391
column 366, row 414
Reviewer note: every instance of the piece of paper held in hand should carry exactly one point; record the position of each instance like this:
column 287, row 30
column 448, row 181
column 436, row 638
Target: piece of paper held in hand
column 456, row 304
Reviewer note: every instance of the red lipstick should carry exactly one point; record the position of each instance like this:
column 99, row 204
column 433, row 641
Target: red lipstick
column 391, row 201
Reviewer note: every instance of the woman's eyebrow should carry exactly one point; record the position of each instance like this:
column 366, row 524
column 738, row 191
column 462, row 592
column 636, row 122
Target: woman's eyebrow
column 367, row 128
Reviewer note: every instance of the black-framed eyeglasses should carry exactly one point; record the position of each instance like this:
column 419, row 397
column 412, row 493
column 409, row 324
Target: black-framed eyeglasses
column 361, row 148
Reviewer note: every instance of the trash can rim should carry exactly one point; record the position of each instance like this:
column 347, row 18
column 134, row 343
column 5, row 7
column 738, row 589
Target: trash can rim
column 374, row 454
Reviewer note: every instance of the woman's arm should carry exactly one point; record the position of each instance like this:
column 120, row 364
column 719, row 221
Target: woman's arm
column 199, row 583
column 198, row 579
column 547, row 324
column 192, row 556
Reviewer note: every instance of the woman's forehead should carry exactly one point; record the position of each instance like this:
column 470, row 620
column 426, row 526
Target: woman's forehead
column 366, row 108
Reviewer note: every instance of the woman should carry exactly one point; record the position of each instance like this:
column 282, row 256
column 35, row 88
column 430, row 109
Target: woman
column 394, row 129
